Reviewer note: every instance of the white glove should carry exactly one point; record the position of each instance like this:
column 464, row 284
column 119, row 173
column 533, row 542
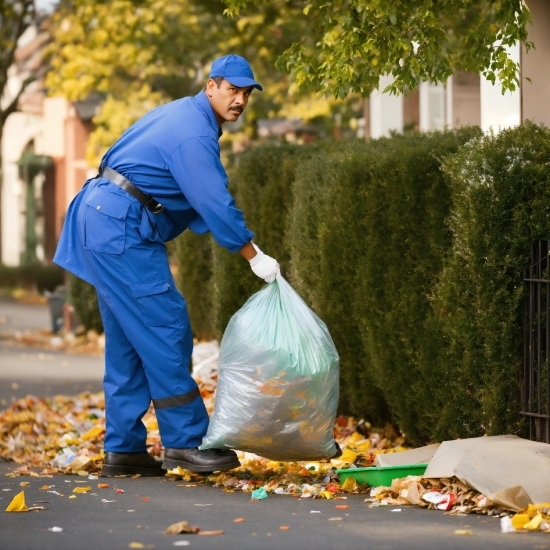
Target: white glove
column 264, row 266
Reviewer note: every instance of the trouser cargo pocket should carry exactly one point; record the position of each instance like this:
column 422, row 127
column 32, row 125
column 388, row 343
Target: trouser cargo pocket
column 158, row 303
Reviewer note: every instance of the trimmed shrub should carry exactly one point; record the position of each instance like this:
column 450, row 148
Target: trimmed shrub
column 261, row 183
column 326, row 243
column 194, row 253
column 402, row 218
column 501, row 196
column 83, row 297
column 32, row 277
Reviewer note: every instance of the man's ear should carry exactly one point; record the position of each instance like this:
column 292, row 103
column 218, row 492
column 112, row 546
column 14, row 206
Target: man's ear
column 210, row 85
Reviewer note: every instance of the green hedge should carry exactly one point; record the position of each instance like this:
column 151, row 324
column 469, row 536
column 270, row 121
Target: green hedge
column 261, row 183
column 194, row 254
column 32, row 277
column 501, row 194
column 411, row 250
column 326, row 243
column 83, row 297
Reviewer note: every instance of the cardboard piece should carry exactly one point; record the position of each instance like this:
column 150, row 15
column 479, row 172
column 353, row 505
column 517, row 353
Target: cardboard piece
column 508, row 470
column 421, row 455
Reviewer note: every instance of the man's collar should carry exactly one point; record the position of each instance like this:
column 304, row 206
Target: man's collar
column 204, row 104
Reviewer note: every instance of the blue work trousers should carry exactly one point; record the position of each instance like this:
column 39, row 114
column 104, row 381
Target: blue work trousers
column 147, row 330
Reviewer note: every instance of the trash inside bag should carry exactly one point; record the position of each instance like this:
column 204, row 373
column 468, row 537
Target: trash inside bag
column 278, row 380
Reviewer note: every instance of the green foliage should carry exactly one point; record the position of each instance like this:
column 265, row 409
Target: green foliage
column 194, row 255
column 354, row 43
column 404, row 202
column 84, row 299
column 501, row 196
column 411, row 249
column 31, row 277
column 142, row 54
column 326, row 244
column 262, row 182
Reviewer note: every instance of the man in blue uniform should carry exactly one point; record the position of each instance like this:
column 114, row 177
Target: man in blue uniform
column 162, row 176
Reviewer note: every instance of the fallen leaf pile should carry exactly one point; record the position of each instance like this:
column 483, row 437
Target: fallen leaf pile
column 65, row 435
column 447, row 494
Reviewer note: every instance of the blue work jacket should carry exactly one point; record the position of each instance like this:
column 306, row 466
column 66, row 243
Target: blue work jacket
column 173, row 154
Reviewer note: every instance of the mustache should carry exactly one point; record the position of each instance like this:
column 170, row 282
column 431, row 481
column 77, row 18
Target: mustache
column 236, row 108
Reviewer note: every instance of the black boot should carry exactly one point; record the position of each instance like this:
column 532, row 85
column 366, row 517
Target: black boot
column 194, row 460
column 124, row 464
column 338, row 452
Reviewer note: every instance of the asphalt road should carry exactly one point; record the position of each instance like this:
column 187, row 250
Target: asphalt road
column 148, row 506
column 27, row 370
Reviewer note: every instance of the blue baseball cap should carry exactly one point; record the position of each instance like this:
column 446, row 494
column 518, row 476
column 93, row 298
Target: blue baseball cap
column 236, row 70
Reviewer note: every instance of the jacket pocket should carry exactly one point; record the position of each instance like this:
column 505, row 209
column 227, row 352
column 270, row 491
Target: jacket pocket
column 158, row 303
column 105, row 226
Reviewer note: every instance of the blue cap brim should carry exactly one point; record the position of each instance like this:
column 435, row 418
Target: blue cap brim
column 243, row 82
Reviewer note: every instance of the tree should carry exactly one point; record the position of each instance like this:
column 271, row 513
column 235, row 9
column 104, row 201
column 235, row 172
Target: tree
column 15, row 17
column 141, row 53
column 354, row 42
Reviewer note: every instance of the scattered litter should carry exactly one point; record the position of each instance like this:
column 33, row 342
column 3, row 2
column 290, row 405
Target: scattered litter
column 18, row 503
column 463, row 532
column 396, row 510
column 203, row 504
column 181, row 527
column 82, row 489
column 24, row 484
column 342, row 506
column 181, row 543
column 259, row 494
column 207, row 533
column 239, row 520
column 284, row 528
column 120, row 491
column 136, row 545
column 335, row 519
column 102, row 485
column 315, row 512
column 536, row 517
column 72, row 496
column 104, row 500
column 506, row 525
column 55, row 529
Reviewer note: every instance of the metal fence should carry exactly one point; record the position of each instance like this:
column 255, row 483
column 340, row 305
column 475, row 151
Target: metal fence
column 536, row 382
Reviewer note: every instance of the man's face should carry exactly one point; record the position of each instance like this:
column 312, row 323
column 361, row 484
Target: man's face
column 228, row 101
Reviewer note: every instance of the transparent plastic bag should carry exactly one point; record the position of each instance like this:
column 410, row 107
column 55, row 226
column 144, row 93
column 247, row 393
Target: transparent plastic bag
column 278, row 380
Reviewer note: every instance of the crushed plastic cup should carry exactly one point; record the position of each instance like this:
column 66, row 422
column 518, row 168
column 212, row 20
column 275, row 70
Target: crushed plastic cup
column 259, row 494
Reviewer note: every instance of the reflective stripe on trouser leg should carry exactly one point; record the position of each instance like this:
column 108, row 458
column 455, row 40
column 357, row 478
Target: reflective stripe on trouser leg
column 137, row 287
column 127, row 396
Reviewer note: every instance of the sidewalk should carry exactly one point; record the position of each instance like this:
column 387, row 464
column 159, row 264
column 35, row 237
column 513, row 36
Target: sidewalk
column 137, row 516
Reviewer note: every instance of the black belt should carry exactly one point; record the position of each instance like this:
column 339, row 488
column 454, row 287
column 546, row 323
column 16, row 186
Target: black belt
column 118, row 179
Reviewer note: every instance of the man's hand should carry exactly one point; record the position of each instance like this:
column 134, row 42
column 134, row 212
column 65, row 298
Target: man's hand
column 262, row 265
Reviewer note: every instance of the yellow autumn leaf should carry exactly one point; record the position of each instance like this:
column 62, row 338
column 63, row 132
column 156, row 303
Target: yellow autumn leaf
column 348, row 456
column 92, row 433
column 82, row 489
column 18, row 503
column 326, row 494
column 349, row 485
column 519, row 520
column 534, row 524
